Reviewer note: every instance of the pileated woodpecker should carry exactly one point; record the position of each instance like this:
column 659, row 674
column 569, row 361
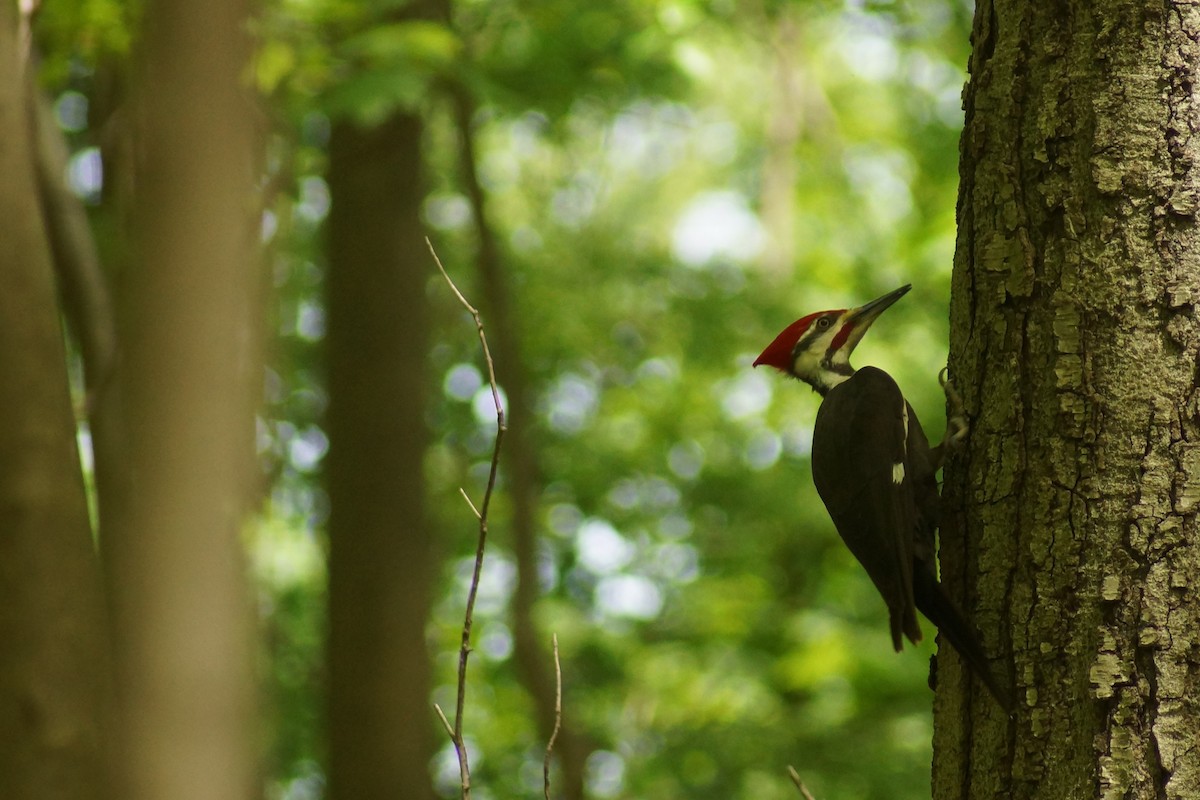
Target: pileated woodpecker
column 875, row 471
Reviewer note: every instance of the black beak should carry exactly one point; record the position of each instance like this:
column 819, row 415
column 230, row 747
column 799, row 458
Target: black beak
column 864, row 315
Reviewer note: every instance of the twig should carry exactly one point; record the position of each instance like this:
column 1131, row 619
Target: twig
column 795, row 776
column 557, row 717
column 474, row 510
column 456, row 732
column 445, row 722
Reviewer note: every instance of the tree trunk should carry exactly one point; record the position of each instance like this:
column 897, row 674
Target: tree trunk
column 1071, row 513
column 54, row 678
column 87, row 307
column 380, row 560
column 533, row 659
column 190, row 368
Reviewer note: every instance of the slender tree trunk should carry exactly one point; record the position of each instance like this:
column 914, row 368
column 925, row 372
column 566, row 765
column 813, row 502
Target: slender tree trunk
column 54, row 678
column 380, row 558
column 190, row 369
column 87, row 306
column 534, row 662
column 1072, row 511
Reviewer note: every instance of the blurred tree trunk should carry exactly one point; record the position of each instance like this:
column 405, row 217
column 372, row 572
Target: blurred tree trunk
column 189, row 372
column 54, row 677
column 1072, row 512
column 87, row 305
column 380, row 559
column 533, row 658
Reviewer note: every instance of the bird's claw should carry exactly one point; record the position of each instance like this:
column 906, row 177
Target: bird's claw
column 956, row 420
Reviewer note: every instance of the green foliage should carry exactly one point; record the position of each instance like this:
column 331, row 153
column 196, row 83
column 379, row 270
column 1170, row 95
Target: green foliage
column 290, row 576
column 548, row 54
column 390, row 67
column 77, row 34
column 713, row 628
column 361, row 61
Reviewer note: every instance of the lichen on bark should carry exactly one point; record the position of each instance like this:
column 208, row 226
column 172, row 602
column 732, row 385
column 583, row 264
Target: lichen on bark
column 1070, row 527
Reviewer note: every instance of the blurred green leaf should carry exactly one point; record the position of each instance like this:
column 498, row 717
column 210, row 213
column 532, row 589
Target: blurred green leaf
column 371, row 96
column 416, row 44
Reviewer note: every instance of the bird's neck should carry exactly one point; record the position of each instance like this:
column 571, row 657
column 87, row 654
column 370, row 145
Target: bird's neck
column 828, row 377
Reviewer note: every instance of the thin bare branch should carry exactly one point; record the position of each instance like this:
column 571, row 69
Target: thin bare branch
column 445, row 722
column 463, row 492
column 795, row 776
column 456, row 731
column 470, row 308
column 487, row 353
column 557, row 717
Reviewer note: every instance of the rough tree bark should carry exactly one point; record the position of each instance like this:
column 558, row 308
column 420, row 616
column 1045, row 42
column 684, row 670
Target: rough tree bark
column 190, row 367
column 1072, row 512
column 54, row 678
column 380, row 546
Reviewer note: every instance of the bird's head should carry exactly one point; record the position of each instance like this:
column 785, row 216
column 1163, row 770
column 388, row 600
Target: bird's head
column 816, row 348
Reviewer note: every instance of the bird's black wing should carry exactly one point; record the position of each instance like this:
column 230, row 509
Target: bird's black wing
column 922, row 473
column 860, row 468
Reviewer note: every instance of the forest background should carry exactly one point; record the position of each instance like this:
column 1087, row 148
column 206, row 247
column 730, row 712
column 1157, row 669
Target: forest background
column 638, row 195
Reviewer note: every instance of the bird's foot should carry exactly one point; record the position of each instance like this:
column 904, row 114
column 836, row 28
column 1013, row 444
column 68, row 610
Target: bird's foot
column 956, row 417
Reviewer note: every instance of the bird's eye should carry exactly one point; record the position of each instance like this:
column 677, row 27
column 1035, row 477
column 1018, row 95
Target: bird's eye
column 824, row 322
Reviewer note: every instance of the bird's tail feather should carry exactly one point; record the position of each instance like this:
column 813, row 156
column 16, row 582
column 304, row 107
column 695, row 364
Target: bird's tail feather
column 932, row 600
